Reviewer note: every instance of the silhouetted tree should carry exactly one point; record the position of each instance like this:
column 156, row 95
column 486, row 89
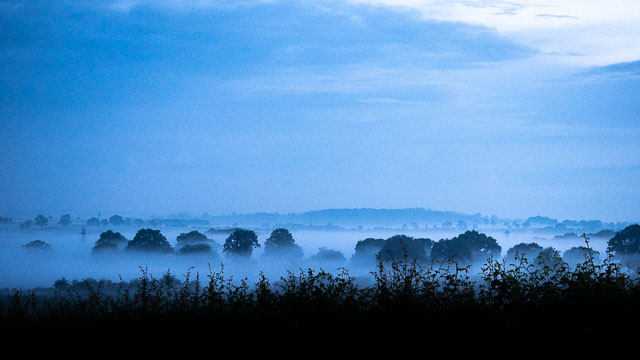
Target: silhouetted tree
column 149, row 240
column 528, row 251
column 192, row 236
column 241, row 242
column 41, row 220
column 93, row 221
column 367, row 249
column 65, row 220
column 116, row 220
column 329, row 255
column 281, row 243
column 396, row 247
column 467, row 247
column 61, row 284
column 37, row 244
column 626, row 241
column 549, row 257
column 109, row 240
column 195, row 249
column 26, row 225
column 579, row 254
column 104, row 222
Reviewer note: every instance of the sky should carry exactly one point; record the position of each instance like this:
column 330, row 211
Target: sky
column 145, row 108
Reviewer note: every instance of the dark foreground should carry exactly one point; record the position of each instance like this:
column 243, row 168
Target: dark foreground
column 432, row 310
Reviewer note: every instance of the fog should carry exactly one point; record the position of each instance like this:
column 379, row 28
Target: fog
column 70, row 255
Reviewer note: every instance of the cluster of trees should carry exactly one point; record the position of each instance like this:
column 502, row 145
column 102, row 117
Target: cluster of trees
column 470, row 246
column 115, row 220
column 467, row 247
column 43, row 221
column 37, row 244
column 240, row 243
column 395, row 248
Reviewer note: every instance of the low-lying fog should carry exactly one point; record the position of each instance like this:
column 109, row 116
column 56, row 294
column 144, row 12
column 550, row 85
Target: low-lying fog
column 71, row 257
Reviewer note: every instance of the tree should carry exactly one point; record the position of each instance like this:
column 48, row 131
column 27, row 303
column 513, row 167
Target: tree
column 528, row 251
column 26, row 225
column 549, row 257
column 396, row 247
column 580, row 254
column 281, row 243
column 241, row 242
column 94, row 221
column 65, row 220
column 330, row 255
column 192, row 236
column 367, row 249
column 109, row 240
column 41, row 220
column 195, row 249
column 468, row 247
column 149, row 240
column 116, row 220
column 104, row 222
column 626, row 241
column 37, row 244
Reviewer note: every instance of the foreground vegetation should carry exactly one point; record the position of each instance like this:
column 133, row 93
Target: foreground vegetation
column 516, row 302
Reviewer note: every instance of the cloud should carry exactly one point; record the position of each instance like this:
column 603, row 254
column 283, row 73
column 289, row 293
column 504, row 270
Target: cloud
column 584, row 33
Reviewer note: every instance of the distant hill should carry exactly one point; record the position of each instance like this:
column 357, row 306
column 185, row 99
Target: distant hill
column 352, row 218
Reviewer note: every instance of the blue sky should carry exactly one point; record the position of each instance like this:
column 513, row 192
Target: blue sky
column 146, row 108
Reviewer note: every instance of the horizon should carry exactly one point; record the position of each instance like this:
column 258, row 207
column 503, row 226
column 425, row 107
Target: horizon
column 185, row 215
